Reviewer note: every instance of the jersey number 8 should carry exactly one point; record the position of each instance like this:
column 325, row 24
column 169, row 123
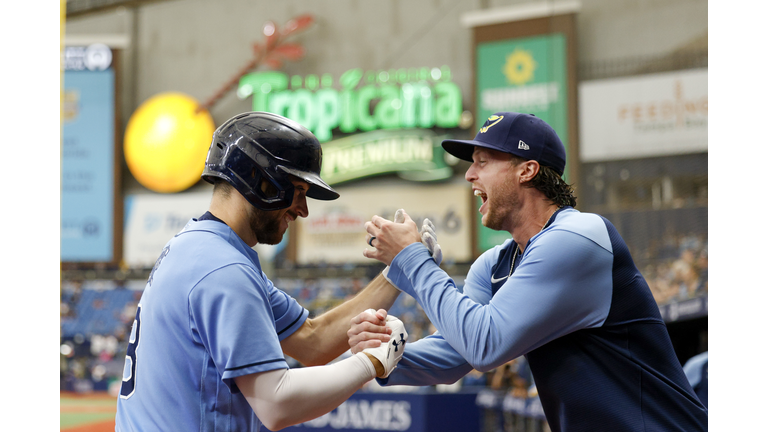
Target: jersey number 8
column 129, row 370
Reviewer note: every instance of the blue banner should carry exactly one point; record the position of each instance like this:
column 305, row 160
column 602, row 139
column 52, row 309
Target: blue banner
column 410, row 412
column 685, row 309
column 87, row 166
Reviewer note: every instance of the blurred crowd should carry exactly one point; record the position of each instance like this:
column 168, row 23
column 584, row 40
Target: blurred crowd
column 678, row 270
column 509, row 400
column 96, row 320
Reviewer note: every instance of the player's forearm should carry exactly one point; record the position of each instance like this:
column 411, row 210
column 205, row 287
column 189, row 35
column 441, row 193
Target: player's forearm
column 378, row 294
column 549, row 295
column 331, row 327
column 285, row 397
column 428, row 361
column 477, row 332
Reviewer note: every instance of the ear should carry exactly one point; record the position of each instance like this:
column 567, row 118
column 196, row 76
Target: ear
column 528, row 170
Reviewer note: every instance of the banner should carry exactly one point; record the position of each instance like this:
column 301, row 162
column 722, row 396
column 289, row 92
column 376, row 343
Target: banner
column 414, row 154
column 685, row 309
column 644, row 116
column 408, row 412
column 153, row 219
column 525, row 75
column 334, row 232
column 88, row 160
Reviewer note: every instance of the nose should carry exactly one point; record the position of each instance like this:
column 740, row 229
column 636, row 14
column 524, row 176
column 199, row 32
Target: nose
column 302, row 210
column 471, row 174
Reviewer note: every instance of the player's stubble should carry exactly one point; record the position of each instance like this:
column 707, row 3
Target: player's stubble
column 266, row 225
column 502, row 202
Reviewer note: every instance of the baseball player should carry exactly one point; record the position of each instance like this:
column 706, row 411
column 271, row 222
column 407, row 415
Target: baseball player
column 564, row 292
column 696, row 370
column 206, row 351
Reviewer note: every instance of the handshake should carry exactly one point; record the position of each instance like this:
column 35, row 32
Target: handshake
column 389, row 353
column 366, row 327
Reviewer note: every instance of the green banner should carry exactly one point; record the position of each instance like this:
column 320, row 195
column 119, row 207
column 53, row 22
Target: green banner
column 525, row 75
column 414, row 154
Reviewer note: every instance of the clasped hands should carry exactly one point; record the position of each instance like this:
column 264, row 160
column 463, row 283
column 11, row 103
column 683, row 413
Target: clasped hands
column 374, row 332
column 388, row 238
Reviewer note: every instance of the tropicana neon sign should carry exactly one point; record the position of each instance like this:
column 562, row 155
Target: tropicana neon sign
column 395, row 99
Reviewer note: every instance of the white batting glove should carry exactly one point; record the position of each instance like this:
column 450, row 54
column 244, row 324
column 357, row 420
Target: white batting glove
column 390, row 354
column 428, row 238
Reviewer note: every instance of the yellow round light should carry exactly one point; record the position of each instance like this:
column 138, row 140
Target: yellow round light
column 166, row 142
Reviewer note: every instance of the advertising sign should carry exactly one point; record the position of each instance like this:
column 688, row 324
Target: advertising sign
column 360, row 101
column 408, row 412
column 153, row 219
column 414, row 154
column 334, row 232
column 525, row 75
column 644, row 116
column 685, row 310
column 88, row 156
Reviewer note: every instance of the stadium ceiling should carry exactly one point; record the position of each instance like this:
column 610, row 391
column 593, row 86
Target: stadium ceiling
column 77, row 8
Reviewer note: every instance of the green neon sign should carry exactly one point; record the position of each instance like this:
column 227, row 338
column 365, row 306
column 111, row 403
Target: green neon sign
column 366, row 101
column 413, row 154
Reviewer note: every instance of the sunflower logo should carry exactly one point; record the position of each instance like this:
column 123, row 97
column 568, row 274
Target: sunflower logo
column 519, row 67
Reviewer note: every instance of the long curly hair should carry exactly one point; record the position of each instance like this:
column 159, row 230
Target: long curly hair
column 551, row 184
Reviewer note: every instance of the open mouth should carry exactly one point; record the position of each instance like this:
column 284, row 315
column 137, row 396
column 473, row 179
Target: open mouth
column 483, row 196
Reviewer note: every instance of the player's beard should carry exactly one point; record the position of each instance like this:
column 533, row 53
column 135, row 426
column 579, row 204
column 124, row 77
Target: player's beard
column 502, row 201
column 266, row 225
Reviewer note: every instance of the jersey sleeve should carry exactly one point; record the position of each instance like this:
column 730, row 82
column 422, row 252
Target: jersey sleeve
column 428, row 361
column 432, row 360
column 477, row 285
column 231, row 313
column 289, row 314
column 563, row 284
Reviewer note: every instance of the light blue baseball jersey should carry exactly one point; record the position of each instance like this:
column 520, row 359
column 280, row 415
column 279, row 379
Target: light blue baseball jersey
column 579, row 310
column 208, row 314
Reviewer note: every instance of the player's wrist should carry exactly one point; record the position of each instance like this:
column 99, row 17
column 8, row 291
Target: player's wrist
column 389, row 354
column 380, row 371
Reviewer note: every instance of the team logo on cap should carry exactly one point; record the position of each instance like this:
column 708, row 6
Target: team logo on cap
column 494, row 119
column 522, row 145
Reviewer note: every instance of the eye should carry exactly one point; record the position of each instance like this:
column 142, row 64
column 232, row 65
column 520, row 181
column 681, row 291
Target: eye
column 301, row 190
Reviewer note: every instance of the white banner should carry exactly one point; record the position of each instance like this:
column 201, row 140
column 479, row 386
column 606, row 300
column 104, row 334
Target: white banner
column 335, row 233
column 153, row 219
column 643, row 116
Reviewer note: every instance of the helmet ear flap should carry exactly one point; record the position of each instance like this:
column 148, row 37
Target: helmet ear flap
column 265, row 188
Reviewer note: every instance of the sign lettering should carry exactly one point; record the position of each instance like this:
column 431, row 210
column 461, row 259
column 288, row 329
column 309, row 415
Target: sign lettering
column 367, row 101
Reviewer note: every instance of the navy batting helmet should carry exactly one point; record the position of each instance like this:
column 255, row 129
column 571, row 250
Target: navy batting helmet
column 257, row 152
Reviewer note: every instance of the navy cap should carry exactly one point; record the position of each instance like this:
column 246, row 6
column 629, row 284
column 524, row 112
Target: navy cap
column 523, row 135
